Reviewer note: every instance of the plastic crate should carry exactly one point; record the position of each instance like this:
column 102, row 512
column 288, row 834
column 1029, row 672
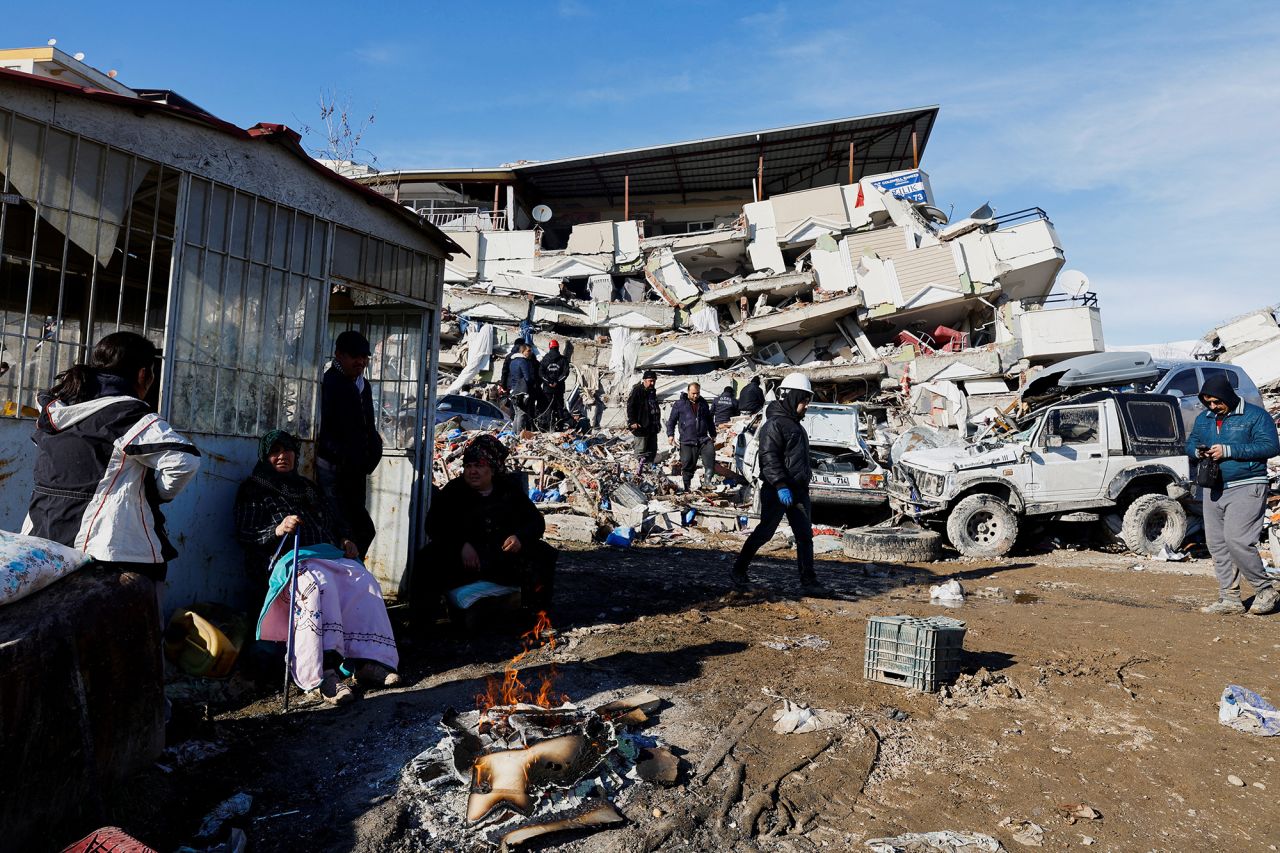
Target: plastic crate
column 915, row 652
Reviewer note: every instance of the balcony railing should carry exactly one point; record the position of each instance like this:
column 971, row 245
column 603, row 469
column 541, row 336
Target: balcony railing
column 464, row 218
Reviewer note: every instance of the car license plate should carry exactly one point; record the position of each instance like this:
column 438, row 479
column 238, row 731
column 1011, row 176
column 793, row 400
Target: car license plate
column 831, row 480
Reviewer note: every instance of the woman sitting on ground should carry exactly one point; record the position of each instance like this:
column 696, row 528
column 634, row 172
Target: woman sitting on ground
column 483, row 527
column 341, row 625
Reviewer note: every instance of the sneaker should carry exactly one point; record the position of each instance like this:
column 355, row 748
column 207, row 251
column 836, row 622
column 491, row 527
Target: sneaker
column 1225, row 607
column 334, row 690
column 371, row 674
column 1264, row 602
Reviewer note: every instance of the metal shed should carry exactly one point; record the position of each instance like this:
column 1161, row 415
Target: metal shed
column 243, row 258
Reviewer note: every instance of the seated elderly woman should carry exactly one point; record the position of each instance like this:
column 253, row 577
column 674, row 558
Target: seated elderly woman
column 483, row 527
column 341, row 626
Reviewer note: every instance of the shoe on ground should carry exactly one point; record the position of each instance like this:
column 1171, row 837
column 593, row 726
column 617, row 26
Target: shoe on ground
column 371, row 674
column 1264, row 602
column 1225, row 607
column 334, row 690
column 815, row 589
column 740, row 581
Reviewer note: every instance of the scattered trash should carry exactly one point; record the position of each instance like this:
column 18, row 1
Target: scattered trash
column 1167, row 555
column 232, row 807
column 944, row 841
column 621, row 537
column 897, row 715
column 1079, row 811
column 1246, row 711
column 1025, row 832
column 795, row 718
column 949, row 592
column 808, row 641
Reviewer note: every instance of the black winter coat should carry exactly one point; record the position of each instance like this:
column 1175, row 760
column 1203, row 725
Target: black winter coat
column 348, row 437
column 554, row 369
column 459, row 514
column 642, row 409
column 751, row 400
column 724, row 407
column 784, row 449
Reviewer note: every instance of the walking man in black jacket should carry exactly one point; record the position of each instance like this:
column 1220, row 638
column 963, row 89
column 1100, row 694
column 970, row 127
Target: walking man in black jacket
column 697, row 435
column 785, row 471
column 644, row 417
column 348, row 447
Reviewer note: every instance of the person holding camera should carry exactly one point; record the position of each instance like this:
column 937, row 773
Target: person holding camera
column 1231, row 442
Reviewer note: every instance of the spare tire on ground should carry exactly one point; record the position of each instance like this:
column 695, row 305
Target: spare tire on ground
column 1152, row 523
column 892, row 545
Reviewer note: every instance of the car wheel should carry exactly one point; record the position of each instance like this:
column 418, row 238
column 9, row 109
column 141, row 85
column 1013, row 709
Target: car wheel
column 892, row 545
column 1154, row 522
column 982, row 526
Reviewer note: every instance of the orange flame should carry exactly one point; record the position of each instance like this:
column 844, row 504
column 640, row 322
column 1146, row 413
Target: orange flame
column 510, row 690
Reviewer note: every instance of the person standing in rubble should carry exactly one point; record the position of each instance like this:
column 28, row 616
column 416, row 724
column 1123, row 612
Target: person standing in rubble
column 725, row 406
column 644, row 417
column 553, row 372
column 519, row 384
column 751, row 400
column 697, row 435
column 785, row 471
column 348, row 448
column 1238, row 438
column 105, row 461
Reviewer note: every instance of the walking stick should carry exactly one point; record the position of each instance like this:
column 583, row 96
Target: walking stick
column 293, row 603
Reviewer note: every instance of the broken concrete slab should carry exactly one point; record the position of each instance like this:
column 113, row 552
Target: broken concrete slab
column 778, row 287
column 805, row 321
column 671, row 280
column 521, row 283
column 490, row 307
column 682, row 350
column 565, row 527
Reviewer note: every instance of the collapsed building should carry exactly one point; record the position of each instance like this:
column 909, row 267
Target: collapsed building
column 817, row 247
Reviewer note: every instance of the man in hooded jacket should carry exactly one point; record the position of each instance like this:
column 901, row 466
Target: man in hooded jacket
column 725, row 406
column 751, row 400
column 785, row 472
column 1240, row 437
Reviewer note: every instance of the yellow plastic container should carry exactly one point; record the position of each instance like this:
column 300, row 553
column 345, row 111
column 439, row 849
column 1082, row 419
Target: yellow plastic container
column 198, row 647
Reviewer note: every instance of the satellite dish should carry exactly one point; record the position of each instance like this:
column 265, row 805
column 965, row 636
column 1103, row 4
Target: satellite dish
column 983, row 213
column 541, row 213
column 1073, row 283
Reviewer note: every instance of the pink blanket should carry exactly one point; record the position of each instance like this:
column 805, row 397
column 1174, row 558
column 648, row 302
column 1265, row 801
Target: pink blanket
column 340, row 609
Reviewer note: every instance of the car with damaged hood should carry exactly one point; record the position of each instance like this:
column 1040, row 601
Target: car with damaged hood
column 845, row 470
column 1137, row 371
column 1099, row 453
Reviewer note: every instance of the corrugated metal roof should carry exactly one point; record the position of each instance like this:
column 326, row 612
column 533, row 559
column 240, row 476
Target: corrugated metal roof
column 794, row 157
column 273, row 133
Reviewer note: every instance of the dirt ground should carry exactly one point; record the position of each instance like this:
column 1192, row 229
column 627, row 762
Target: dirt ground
column 1086, row 680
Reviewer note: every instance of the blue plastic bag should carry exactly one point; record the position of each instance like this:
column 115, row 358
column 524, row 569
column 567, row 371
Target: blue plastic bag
column 620, row 537
column 535, row 494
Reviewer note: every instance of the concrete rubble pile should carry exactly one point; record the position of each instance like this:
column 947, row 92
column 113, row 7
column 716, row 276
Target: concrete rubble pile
column 590, row 488
column 867, row 288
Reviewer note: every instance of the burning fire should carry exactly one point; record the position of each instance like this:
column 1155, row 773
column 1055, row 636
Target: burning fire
column 510, row 690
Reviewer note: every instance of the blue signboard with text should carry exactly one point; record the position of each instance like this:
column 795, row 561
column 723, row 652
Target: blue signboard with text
column 912, row 186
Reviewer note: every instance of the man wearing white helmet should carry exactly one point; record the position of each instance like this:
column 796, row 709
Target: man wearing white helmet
column 785, row 473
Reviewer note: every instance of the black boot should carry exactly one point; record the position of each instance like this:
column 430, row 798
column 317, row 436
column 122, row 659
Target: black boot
column 813, row 588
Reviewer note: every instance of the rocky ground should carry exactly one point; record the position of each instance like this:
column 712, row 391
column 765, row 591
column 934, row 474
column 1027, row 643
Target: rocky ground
column 1089, row 679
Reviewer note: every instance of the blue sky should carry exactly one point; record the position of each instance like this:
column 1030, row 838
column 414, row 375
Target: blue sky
column 1146, row 131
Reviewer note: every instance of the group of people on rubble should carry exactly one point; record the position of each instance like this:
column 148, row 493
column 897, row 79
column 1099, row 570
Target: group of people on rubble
column 106, row 463
column 535, row 389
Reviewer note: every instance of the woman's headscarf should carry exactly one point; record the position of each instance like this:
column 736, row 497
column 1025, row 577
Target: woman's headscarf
column 486, row 448
column 271, row 439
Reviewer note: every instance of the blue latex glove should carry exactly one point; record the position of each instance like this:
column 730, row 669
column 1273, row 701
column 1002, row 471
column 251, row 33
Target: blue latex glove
column 784, row 495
